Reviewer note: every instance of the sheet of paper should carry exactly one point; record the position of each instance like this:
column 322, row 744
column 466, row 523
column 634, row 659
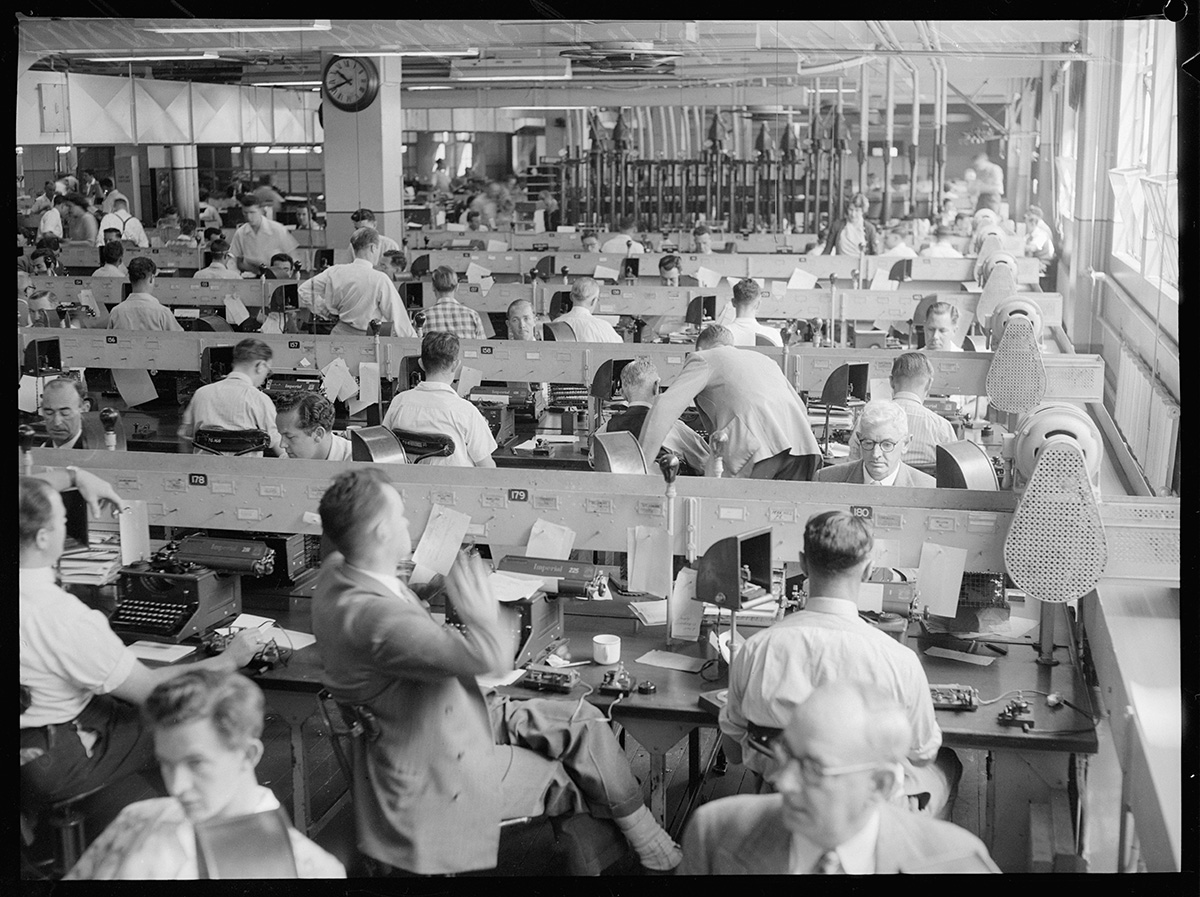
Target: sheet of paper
column 440, row 542
column 550, row 540
column 566, row 229
column 870, row 596
column 456, row 228
column 338, row 384
column 949, row 654
column 159, row 652
column 650, row 561
column 881, row 388
column 496, row 245
column 468, row 379
column 801, row 280
column 134, row 523
column 651, row 613
column 939, row 577
column 271, row 324
column 290, row 638
column 27, row 395
column 603, row 273
column 476, row 273
column 135, row 386
column 498, row 680
column 539, row 221
column 513, row 588
column 707, row 278
column 971, row 286
column 235, row 310
column 881, row 281
column 686, row 612
column 251, row 621
column 670, row 661
column 368, row 386
column 485, row 285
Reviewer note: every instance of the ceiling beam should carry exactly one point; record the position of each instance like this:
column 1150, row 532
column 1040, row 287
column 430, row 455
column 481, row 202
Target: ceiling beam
column 559, row 98
column 978, row 109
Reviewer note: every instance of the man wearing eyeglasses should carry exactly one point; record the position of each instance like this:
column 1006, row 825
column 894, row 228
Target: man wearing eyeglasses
column 838, row 761
column 778, row 668
column 882, row 437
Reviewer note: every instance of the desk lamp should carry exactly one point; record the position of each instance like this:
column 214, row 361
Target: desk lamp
column 109, row 418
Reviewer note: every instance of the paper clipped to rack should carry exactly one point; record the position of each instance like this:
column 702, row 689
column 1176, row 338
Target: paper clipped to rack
column 135, row 386
column 649, row 560
column 707, row 278
column 550, row 540
column 939, row 577
column 439, row 543
column 801, row 280
column 686, row 611
column 235, row 310
column 476, row 273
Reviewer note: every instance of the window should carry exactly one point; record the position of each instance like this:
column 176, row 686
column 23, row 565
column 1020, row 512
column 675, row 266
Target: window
column 1145, row 184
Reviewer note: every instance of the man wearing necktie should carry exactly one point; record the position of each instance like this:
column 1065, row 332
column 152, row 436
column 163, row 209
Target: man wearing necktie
column 838, row 764
column 882, row 437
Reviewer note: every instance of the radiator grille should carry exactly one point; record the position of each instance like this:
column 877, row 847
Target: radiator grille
column 1148, row 419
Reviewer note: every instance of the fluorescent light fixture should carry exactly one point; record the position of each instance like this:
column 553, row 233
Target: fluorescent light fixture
column 434, row 54
column 314, row 25
column 515, row 69
column 429, row 87
column 172, row 58
column 285, row 83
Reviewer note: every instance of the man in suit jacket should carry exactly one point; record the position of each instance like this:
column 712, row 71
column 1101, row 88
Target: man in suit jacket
column 439, row 764
column 64, row 401
column 882, row 435
column 746, row 398
column 837, row 769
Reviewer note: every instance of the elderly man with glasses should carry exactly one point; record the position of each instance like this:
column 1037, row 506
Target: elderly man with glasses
column 882, row 437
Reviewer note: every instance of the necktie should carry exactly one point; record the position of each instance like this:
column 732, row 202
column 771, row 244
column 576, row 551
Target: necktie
column 829, row 864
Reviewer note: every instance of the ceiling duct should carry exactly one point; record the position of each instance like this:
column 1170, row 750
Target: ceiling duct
column 639, row 57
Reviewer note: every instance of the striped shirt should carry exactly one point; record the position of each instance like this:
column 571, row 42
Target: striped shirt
column 927, row 429
column 448, row 314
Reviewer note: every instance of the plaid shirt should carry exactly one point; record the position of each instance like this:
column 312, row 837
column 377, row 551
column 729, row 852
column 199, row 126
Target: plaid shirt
column 450, row 314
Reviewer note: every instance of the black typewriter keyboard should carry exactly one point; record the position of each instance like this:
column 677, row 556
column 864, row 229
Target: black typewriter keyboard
column 166, row 618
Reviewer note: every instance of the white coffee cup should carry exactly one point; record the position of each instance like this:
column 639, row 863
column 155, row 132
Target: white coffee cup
column 606, row 649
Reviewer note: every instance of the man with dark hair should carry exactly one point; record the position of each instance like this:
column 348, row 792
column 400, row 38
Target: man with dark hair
column 211, row 234
column 745, row 397
column 669, row 270
column 81, row 223
column 357, row 293
column 64, row 400
column 837, row 763
column 441, row 763
column 941, row 324
column 702, row 240
column 51, row 221
column 305, row 423
column 218, row 264
column 746, row 330
column 623, row 242
column 881, row 436
column 366, row 218
column 81, row 728
column 522, row 322
column 447, row 313
column 474, row 222
column 45, row 262
column 590, row 242
column 140, row 310
column 259, row 238
column 585, row 295
column 207, row 729
column 237, row 402
column 111, row 254
column 207, row 213
column 120, row 219
column 912, row 374
column 776, row 669
column 111, row 195
column 432, row 406
column 267, row 197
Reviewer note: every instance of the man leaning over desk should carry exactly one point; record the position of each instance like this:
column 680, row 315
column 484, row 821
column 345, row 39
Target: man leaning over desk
column 357, row 293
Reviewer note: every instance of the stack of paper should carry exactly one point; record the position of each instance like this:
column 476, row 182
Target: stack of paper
column 95, row 565
column 651, row 613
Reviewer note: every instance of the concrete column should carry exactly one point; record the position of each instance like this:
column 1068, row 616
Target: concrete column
column 364, row 166
column 1045, row 168
column 185, row 180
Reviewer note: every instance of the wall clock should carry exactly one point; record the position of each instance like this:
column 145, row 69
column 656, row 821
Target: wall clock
column 351, row 82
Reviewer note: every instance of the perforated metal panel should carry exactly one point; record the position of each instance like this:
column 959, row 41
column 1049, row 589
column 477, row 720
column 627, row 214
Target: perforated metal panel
column 1143, row 539
column 1069, row 378
column 1056, row 548
column 1016, row 380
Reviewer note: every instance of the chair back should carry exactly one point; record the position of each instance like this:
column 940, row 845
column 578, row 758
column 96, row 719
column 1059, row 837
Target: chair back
column 618, row 452
column 377, row 444
column 216, row 441
column 419, row 446
column 760, row 340
column 558, row 330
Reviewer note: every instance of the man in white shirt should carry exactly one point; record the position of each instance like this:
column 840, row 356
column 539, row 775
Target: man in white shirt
column 585, row 293
column 432, row 406
column 746, row 330
column 776, row 669
column 1039, row 240
column 837, row 766
column 237, row 402
column 111, row 254
column 207, row 213
column 207, row 729
column 894, row 245
column 259, row 238
column 218, row 264
column 988, row 184
column 941, row 329
column 111, row 195
column 80, row 728
column 366, row 218
column 639, row 386
column 305, row 423
column 702, row 240
column 357, row 293
column 912, row 374
column 141, row 310
column 941, row 247
column 624, row 242
column 120, row 219
column 51, row 221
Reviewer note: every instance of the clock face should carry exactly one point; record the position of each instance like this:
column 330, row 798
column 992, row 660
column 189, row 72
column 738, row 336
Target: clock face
column 351, row 82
